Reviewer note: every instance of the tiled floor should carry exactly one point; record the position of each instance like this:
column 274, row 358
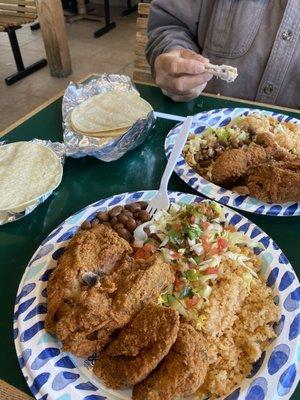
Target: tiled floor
column 112, row 53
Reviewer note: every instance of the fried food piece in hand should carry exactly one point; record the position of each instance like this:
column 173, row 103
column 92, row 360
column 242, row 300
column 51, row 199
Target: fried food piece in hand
column 230, row 167
column 96, row 252
column 89, row 320
column 181, row 373
column 139, row 348
column 275, row 182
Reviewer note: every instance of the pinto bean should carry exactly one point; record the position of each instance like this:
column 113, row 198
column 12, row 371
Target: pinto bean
column 114, row 212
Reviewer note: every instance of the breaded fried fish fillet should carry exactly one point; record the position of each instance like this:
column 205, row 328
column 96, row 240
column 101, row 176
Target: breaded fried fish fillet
column 139, row 348
column 181, row 373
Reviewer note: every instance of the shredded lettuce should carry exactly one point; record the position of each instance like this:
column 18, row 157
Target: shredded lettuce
column 200, row 322
column 240, row 239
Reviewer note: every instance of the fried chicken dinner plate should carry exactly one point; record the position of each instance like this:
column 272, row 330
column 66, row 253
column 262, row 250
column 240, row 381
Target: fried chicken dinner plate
column 270, row 180
column 54, row 374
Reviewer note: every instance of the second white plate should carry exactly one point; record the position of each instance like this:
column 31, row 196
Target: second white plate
column 217, row 118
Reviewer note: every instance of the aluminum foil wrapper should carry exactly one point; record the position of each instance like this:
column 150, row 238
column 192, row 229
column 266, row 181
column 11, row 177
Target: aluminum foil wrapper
column 10, row 216
column 105, row 149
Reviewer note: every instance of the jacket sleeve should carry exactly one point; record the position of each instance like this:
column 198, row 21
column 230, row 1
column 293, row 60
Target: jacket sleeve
column 172, row 24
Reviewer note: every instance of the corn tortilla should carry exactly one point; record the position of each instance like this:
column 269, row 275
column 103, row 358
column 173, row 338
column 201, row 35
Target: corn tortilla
column 109, row 111
column 27, row 171
column 105, row 134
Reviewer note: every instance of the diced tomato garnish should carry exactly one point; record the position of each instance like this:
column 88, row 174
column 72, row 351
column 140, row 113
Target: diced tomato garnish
column 176, row 226
column 192, row 219
column 190, row 303
column 213, row 250
column 151, row 247
column 230, row 228
column 141, row 254
column 175, row 256
column 205, row 241
column 206, row 245
column 204, row 224
column 222, row 243
column 178, row 284
column 210, row 271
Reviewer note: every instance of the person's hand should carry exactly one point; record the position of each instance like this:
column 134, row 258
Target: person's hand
column 180, row 74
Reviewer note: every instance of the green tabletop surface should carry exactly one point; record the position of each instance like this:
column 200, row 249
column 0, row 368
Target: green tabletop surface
column 87, row 180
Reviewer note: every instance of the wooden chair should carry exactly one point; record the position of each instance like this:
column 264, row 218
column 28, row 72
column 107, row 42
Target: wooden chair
column 142, row 72
column 14, row 14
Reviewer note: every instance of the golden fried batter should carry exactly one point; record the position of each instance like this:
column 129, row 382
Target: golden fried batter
column 229, row 167
column 181, row 373
column 276, row 182
column 139, row 348
column 85, row 305
column 96, row 251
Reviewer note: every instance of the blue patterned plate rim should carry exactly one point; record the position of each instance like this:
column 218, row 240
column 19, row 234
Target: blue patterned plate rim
column 54, row 375
column 221, row 117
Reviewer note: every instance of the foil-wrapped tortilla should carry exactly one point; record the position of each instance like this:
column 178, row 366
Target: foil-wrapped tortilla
column 104, row 148
column 29, row 173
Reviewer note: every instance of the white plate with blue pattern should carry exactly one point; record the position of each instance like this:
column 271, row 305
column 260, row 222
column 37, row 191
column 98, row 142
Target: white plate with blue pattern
column 217, row 118
column 54, row 375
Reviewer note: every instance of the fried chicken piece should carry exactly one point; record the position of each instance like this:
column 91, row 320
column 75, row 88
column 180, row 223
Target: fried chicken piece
column 275, row 182
column 229, row 167
column 232, row 166
column 90, row 319
column 242, row 190
column 271, row 148
column 96, row 251
column 255, row 124
column 139, row 348
column 181, row 373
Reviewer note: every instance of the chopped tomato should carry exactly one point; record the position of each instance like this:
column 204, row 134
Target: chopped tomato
column 190, row 303
column 230, row 228
column 210, row 271
column 213, row 250
column 176, row 226
column 175, row 256
column 222, row 243
column 204, row 224
column 206, row 245
column 205, row 241
column 178, row 284
column 151, row 247
column 141, row 254
column 192, row 219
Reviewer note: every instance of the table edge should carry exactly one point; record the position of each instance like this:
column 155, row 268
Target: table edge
column 219, row 96
column 211, row 95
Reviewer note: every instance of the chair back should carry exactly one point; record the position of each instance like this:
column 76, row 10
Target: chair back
column 142, row 72
column 16, row 13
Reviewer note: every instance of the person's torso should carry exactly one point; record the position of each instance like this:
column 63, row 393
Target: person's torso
column 259, row 37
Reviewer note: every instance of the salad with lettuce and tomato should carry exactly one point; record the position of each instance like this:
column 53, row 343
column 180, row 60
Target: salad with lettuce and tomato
column 194, row 239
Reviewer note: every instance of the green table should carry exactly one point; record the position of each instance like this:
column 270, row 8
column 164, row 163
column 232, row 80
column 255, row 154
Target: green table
column 86, row 180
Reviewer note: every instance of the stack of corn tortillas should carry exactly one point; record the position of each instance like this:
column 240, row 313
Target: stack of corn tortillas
column 27, row 171
column 108, row 114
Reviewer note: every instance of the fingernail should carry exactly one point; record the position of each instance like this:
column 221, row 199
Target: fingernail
column 199, row 68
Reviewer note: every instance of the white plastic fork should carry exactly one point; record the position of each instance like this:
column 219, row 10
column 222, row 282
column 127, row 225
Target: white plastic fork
column 161, row 200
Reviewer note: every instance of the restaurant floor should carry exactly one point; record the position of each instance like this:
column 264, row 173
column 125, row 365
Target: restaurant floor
column 112, row 53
